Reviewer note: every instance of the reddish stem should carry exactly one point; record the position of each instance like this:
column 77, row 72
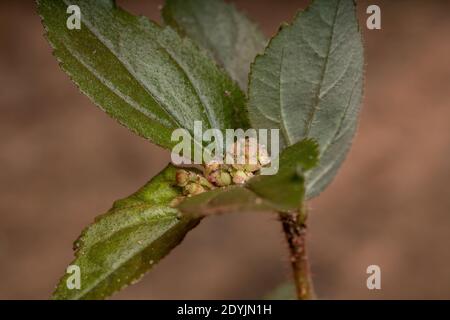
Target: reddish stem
column 294, row 227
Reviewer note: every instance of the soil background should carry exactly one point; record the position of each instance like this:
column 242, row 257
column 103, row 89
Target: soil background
column 63, row 161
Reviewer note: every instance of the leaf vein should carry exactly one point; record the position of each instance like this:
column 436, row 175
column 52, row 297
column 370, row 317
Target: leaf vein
column 313, row 112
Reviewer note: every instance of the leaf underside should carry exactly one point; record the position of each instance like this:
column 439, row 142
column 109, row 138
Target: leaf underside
column 227, row 35
column 309, row 83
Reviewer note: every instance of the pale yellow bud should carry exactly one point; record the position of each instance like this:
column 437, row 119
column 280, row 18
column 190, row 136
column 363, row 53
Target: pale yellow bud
column 182, row 178
column 193, row 189
column 240, row 177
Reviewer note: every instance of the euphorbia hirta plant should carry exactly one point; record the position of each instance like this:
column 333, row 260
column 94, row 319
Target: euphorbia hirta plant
column 207, row 62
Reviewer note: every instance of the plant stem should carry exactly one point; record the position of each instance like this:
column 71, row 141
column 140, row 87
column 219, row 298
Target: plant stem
column 294, row 227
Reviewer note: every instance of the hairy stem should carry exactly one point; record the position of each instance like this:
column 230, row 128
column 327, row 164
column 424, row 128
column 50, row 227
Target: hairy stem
column 294, row 227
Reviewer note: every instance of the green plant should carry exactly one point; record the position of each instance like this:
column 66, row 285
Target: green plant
column 153, row 79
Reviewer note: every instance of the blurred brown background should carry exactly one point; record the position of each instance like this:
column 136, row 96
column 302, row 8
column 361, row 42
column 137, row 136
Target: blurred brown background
column 63, row 161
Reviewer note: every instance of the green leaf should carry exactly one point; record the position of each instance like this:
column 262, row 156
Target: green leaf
column 282, row 192
column 309, row 84
column 285, row 190
column 121, row 245
column 228, row 35
column 147, row 77
column 223, row 200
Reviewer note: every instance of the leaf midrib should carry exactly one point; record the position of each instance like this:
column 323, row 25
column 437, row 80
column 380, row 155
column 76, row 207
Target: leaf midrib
column 284, row 130
column 164, row 107
column 313, row 113
column 95, row 32
column 327, row 169
column 126, row 98
column 106, row 275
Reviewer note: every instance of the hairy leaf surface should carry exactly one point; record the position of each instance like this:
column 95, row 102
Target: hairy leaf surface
column 147, row 77
column 308, row 83
column 228, row 35
column 121, row 245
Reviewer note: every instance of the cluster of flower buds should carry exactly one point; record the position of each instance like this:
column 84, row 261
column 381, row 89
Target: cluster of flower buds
column 248, row 158
column 191, row 182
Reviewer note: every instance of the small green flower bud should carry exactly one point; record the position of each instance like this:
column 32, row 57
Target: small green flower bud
column 211, row 166
column 204, row 182
column 193, row 189
column 193, row 177
column 182, row 178
column 240, row 177
column 220, row 178
column 223, row 179
column 212, row 177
